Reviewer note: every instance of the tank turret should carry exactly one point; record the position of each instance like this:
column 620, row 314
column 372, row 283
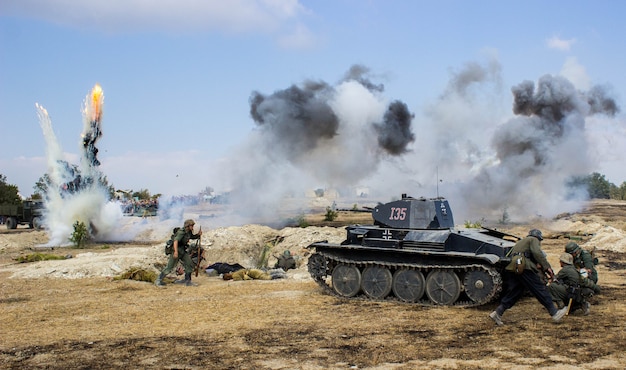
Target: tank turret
column 412, row 213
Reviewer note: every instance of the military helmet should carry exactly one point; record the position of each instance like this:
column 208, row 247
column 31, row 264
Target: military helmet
column 287, row 253
column 566, row 258
column 536, row 233
column 571, row 247
column 189, row 222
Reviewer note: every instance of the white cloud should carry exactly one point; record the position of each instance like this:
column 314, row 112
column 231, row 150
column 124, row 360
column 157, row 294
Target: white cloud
column 560, row 44
column 300, row 38
column 281, row 18
column 576, row 73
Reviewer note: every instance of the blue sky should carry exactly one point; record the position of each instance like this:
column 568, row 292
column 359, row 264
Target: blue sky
column 178, row 75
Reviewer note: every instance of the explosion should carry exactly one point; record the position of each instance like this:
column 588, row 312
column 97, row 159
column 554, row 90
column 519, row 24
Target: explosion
column 77, row 193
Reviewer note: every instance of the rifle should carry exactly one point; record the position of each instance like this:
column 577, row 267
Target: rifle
column 199, row 248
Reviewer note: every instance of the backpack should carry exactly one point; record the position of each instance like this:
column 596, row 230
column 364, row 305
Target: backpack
column 169, row 246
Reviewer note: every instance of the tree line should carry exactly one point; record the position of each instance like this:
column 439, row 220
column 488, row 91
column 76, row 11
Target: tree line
column 596, row 186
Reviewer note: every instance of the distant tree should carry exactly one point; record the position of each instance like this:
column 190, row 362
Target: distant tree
column 207, row 191
column 618, row 192
column 142, row 194
column 598, row 186
column 8, row 192
column 110, row 188
column 42, row 186
column 595, row 185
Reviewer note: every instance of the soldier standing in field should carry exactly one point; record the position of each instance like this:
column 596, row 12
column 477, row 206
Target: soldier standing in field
column 528, row 278
column 180, row 253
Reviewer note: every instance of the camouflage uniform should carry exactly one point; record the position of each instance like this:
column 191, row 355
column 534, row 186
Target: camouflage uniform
column 181, row 240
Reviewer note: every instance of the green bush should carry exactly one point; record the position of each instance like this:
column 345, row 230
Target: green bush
column 80, row 235
column 301, row 221
column 330, row 214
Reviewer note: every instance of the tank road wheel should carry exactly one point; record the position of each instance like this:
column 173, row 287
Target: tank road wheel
column 479, row 286
column 443, row 287
column 408, row 285
column 317, row 266
column 376, row 282
column 346, row 280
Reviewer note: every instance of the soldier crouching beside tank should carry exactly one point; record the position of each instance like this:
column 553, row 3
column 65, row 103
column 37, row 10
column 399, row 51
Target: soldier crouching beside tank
column 180, row 244
column 583, row 260
column 527, row 277
column 570, row 288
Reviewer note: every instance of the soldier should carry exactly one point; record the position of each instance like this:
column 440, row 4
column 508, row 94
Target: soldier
column 285, row 261
column 582, row 260
column 247, row 274
column 528, row 278
column 570, row 284
column 179, row 253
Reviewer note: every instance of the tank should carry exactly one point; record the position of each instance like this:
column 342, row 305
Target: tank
column 414, row 253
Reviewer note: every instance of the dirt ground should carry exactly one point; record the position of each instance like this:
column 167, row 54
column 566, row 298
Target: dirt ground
column 73, row 314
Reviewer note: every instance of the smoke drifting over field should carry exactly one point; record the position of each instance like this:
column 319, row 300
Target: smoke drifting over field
column 533, row 155
column 485, row 160
column 316, row 134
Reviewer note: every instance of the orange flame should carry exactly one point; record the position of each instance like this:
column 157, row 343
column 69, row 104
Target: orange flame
column 96, row 102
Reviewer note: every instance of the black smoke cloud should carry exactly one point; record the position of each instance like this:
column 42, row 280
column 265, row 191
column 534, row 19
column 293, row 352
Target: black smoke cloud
column 394, row 135
column 315, row 134
column 539, row 149
column 299, row 118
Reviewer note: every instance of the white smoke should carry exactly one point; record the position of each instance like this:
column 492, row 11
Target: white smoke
column 75, row 192
column 315, row 135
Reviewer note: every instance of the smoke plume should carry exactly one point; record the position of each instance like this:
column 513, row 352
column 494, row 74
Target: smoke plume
column 314, row 134
column 76, row 192
column 539, row 150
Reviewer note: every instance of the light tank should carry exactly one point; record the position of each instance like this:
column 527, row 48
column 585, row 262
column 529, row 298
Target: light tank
column 413, row 253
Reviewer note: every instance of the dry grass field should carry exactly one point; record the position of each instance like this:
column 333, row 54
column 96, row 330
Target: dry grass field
column 102, row 323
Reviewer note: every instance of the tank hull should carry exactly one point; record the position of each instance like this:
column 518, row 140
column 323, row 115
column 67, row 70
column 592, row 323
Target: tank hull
column 420, row 264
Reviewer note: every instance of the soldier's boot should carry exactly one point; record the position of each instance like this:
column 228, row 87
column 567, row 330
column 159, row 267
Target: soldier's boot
column 586, row 308
column 159, row 281
column 188, row 280
column 559, row 314
column 496, row 317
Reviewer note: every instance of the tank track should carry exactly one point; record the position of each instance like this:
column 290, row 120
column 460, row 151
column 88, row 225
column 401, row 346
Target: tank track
column 331, row 261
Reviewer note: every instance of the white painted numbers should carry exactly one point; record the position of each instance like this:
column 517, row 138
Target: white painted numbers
column 397, row 213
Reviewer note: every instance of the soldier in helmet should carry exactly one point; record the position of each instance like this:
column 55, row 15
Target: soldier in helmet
column 582, row 260
column 180, row 241
column 570, row 284
column 285, row 261
column 528, row 278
